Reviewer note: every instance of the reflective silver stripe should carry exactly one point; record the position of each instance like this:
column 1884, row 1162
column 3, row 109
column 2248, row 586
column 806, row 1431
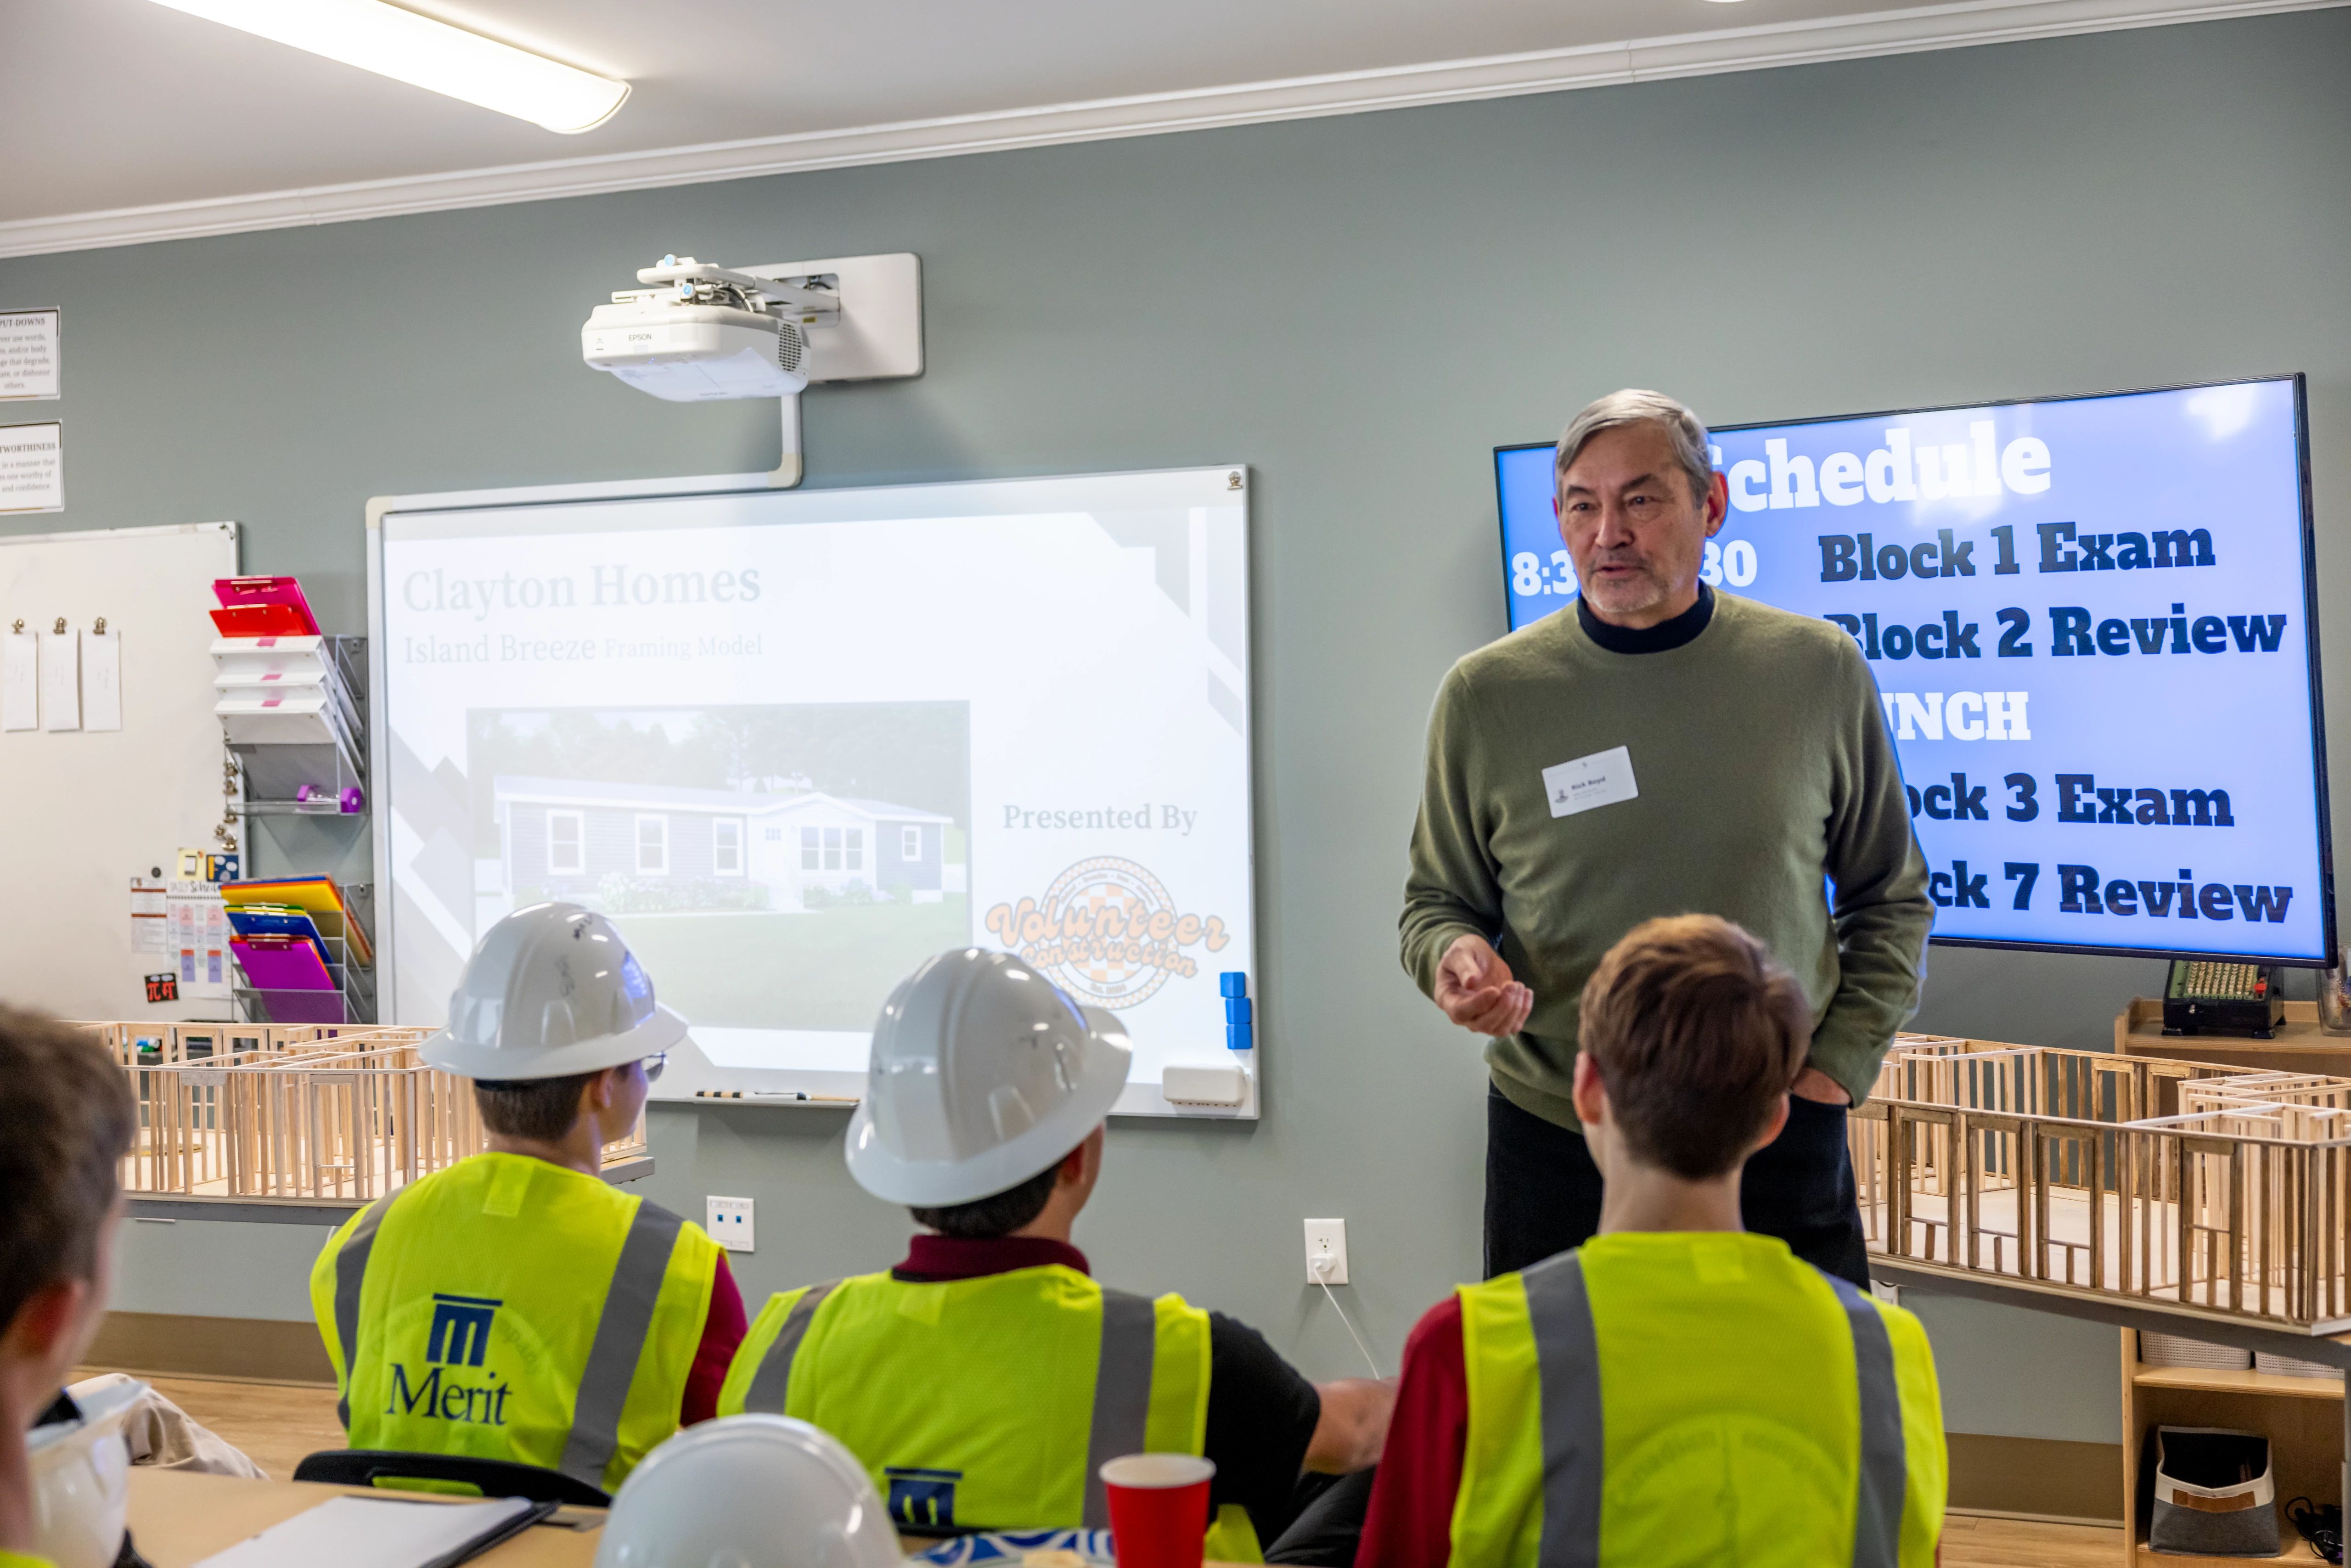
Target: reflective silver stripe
column 620, row 1341
column 774, row 1376
column 350, row 1274
column 1567, row 1354
column 1884, row 1459
column 1130, row 1332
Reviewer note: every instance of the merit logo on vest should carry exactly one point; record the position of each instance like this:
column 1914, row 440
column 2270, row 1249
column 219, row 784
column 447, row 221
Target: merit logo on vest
column 460, row 1337
column 920, row 1499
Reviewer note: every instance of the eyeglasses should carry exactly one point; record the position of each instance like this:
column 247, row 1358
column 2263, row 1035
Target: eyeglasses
column 653, row 1064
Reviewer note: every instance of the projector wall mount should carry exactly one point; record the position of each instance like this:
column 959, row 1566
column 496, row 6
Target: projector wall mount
column 687, row 338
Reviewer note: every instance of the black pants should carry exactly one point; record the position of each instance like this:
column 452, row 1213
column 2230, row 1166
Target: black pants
column 1329, row 1521
column 1543, row 1191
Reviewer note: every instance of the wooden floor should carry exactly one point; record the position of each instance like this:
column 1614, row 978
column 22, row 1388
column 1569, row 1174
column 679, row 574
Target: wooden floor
column 2020, row 1543
column 276, row 1424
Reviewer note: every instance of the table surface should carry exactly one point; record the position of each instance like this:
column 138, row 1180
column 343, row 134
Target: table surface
column 179, row 1519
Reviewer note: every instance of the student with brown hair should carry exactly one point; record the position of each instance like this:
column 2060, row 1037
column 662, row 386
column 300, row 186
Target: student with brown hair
column 1675, row 1389
column 68, row 1118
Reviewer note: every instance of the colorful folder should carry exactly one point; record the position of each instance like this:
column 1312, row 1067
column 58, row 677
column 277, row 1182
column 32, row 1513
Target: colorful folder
column 262, row 607
column 282, row 964
column 279, row 920
column 316, row 895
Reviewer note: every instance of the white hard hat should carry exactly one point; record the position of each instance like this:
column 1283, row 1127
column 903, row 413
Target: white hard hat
column 550, row 991
column 748, row 1492
column 81, row 1480
column 983, row 1074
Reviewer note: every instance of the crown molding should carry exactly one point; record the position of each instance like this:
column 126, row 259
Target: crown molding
column 1907, row 31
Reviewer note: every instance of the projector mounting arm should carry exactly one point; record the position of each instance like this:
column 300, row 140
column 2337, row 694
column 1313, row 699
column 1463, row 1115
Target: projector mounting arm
column 789, row 469
column 806, row 299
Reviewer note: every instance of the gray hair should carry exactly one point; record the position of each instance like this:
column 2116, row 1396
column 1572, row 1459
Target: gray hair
column 1633, row 406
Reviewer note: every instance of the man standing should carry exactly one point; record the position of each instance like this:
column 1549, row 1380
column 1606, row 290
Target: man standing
column 1663, row 750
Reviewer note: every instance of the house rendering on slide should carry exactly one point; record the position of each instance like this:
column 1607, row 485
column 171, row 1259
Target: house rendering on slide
column 564, row 838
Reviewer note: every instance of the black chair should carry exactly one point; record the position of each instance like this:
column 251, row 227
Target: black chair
column 389, row 1468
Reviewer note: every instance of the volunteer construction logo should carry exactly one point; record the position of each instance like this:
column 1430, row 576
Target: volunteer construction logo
column 1107, row 931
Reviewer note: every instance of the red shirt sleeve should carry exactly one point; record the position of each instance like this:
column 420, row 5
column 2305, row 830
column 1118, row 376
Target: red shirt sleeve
column 1409, row 1524
column 722, row 1336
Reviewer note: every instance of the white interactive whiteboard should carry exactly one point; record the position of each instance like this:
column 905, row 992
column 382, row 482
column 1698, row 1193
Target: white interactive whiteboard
column 795, row 742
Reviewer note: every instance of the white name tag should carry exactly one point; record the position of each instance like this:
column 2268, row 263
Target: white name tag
column 1602, row 779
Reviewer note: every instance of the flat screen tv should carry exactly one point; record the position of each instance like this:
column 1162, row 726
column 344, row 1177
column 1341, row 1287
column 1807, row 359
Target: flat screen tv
column 2093, row 621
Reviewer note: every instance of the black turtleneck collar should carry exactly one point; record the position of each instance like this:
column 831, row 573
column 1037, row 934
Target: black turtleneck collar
column 1683, row 628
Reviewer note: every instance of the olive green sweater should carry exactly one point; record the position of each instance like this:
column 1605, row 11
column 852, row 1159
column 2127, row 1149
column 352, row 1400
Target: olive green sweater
column 1763, row 766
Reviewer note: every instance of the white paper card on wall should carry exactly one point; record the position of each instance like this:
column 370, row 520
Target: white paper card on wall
column 102, row 680
column 1602, row 779
column 32, row 467
column 20, row 681
column 149, row 917
column 31, row 359
column 61, row 679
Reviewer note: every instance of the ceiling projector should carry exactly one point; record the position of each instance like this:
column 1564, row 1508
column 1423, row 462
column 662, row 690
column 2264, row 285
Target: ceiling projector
column 701, row 332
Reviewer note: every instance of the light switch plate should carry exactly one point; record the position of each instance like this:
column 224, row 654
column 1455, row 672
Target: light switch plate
column 729, row 1220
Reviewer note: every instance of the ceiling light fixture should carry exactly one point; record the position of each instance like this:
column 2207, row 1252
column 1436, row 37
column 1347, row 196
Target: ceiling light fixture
column 426, row 53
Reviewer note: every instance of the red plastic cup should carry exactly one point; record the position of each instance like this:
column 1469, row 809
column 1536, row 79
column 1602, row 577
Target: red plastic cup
column 1158, row 1508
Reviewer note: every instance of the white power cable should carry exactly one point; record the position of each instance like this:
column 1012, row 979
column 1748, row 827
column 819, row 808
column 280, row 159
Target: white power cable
column 1321, row 1269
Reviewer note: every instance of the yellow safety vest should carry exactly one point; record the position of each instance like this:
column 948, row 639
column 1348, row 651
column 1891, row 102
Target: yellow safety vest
column 1653, row 1399
column 991, row 1403
column 509, row 1308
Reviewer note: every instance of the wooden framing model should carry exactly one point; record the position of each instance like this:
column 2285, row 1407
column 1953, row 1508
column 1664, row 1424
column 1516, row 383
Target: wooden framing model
column 2222, row 1191
column 323, row 1113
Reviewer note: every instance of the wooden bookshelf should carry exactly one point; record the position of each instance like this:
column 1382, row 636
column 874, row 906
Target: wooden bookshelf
column 2300, row 1046
column 2301, row 1418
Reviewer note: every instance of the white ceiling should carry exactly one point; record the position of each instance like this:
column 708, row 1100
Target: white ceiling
column 115, row 104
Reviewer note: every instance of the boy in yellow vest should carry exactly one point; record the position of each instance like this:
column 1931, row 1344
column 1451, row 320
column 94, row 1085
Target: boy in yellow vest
column 68, row 1118
column 984, row 1381
column 1676, row 1390
column 515, row 1306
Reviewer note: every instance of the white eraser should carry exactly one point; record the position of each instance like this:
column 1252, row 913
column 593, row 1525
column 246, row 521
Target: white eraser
column 1190, row 1083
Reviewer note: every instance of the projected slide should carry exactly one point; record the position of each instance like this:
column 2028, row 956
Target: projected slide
column 2089, row 621
column 794, row 743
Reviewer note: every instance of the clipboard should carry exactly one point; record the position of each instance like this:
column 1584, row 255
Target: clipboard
column 282, row 962
column 318, row 896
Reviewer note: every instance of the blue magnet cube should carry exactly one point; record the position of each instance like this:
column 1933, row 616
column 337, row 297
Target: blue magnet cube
column 1236, row 1010
column 1240, row 1037
column 1233, row 983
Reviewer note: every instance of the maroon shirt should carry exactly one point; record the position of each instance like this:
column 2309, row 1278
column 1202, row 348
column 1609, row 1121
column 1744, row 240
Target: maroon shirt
column 1410, row 1522
column 723, row 1328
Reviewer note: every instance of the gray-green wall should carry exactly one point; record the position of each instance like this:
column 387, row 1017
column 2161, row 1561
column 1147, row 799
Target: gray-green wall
column 1360, row 307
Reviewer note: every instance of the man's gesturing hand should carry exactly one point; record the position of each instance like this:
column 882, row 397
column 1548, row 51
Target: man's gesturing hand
column 1475, row 989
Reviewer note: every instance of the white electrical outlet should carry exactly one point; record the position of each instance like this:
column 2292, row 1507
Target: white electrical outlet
column 729, row 1220
column 1326, row 1252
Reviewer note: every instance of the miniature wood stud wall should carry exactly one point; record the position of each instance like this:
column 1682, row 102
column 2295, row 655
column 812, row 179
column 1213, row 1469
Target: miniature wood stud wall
column 2219, row 1187
column 315, row 1111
